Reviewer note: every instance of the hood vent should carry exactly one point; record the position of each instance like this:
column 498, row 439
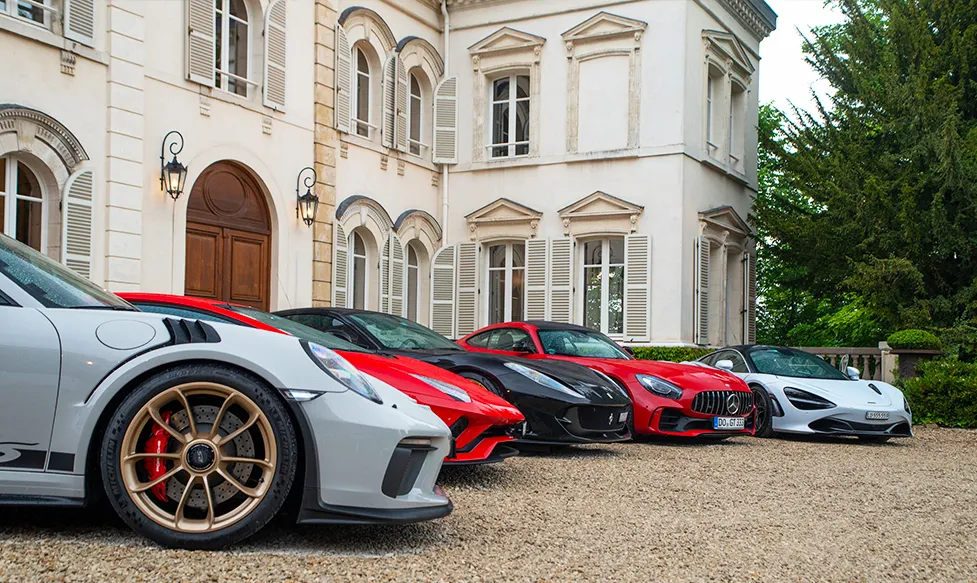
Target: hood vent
column 874, row 388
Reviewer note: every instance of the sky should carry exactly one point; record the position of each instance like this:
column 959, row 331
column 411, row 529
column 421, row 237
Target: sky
column 784, row 76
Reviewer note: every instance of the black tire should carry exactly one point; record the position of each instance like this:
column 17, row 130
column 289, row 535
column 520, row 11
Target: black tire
column 764, row 409
column 874, row 438
column 282, row 478
column 484, row 381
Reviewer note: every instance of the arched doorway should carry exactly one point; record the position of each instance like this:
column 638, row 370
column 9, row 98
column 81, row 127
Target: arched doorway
column 228, row 238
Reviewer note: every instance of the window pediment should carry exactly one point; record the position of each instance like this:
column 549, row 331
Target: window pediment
column 725, row 218
column 729, row 47
column 604, row 25
column 600, row 212
column 503, row 219
column 506, row 40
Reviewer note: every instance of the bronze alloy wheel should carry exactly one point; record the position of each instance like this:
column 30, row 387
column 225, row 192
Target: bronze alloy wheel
column 198, row 457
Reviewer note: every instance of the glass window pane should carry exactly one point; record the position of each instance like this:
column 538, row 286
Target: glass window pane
column 500, row 128
column 237, row 56
column 238, row 9
column 219, row 48
column 412, row 293
column 415, row 87
column 362, row 64
column 27, row 184
column 3, row 213
column 592, row 252
column 359, row 283
column 501, row 90
column 518, row 255
column 591, row 302
column 359, row 248
column 616, row 249
column 522, row 127
column 30, row 12
column 411, row 256
column 3, row 173
column 29, row 223
column 415, row 119
column 615, row 300
column 496, row 306
column 497, row 256
column 522, row 87
column 518, row 293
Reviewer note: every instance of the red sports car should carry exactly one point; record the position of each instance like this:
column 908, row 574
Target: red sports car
column 481, row 422
column 669, row 399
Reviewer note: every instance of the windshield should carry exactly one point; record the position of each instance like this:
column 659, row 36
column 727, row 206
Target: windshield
column 396, row 333
column 580, row 343
column 50, row 283
column 786, row 362
column 300, row 331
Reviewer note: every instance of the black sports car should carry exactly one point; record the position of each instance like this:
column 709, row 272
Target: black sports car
column 564, row 403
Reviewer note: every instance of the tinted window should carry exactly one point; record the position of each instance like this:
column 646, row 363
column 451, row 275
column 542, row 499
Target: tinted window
column 401, row 334
column 787, row 362
column 710, row 359
column 480, row 340
column 180, row 312
column 511, row 339
column 580, row 343
column 298, row 330
column 331, row 325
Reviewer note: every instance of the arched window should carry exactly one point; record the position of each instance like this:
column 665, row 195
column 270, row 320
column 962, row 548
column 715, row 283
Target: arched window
column 359, row 275
column 413, row 278
column 21, row 203
column 415, row 115
column 233, row 46
column 603, row 283
column 507, row 282
column 362, row 99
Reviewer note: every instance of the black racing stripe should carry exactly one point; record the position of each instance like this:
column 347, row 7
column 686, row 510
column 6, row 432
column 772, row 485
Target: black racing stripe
column 61, row 462
column 28, row 459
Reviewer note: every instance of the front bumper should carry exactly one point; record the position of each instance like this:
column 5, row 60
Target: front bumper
column 576, row 424
column 844, row 421
column 681, row 423
column 358, row 468
column 481, row 444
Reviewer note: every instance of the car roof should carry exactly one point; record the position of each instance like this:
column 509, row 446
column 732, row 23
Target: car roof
column 547, row 325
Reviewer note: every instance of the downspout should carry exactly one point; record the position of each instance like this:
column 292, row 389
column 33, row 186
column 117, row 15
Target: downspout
column 444, row 167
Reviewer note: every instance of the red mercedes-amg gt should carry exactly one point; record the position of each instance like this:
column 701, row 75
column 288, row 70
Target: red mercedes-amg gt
column 669, row 399
column 481, row 422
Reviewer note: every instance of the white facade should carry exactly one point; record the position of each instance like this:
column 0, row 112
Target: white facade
column 619, row 196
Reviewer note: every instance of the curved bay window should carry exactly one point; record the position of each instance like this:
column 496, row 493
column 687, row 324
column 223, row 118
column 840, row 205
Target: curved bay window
column 233, row 46
column 21, row 203
column 603, row 282
column 510, row 116
column 359, row 276
column 506, row 282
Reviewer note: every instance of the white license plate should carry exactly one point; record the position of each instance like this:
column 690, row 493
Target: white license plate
column 623, row 417
column 728, row 422
column 877, row 415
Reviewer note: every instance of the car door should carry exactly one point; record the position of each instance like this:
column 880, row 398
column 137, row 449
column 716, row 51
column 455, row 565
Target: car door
column 510, row 342
column 30, row 372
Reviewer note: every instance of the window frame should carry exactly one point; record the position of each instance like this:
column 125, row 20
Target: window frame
column 353, row 270
column 48, row 10
column 365, row 124
column 415, row 145
column 222, row 37
column 507, row 278
column 605, row 294
column 513, row 101
column 416, row 267
column 8, row 192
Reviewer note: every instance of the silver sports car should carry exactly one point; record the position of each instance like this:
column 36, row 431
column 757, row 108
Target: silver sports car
column 197, row 432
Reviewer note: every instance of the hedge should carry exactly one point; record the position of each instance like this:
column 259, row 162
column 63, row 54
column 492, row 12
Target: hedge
column 944, row 393
column 669, row 353
column 914, row 340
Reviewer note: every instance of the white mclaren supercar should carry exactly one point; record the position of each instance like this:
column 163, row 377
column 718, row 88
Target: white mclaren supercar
column 798, row 392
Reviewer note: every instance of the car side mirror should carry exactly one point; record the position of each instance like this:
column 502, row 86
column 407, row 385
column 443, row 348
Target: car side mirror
column 628, row 349
column 853, row 373
column 725, row 364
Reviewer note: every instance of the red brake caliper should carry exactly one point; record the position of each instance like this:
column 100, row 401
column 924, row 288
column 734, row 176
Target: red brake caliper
column 155, row 466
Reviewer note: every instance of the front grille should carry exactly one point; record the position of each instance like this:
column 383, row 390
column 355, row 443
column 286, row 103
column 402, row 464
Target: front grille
column 601, row 418
column 718, row 402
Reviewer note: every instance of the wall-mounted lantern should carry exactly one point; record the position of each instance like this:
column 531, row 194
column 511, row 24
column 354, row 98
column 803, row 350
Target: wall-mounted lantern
column 307, row 205
column 172, row 174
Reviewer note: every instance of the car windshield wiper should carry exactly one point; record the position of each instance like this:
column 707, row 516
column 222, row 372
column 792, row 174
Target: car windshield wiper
column 111, row 308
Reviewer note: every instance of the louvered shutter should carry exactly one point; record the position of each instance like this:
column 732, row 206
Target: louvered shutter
column 398, row 274
column 76, row 235
column 385, row 277
column 703, row 248
column 275, row 27
column 389, row 133
column 79, row 21
column 561, row 281
column 344, row 80
column 403, row 94
column 201, row 52
column 340, row 268
column 637, row 286
column 749, row 292
column 443, row 292
column 446, row 122
column 536, row 250
column 467, row 300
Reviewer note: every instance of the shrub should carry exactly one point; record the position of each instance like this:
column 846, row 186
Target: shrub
column 669, row 353
column 959, row 342
column 944, row 393
column 914, row 339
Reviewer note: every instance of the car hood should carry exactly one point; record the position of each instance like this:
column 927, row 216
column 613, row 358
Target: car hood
column 694, row 378
column 848, row 393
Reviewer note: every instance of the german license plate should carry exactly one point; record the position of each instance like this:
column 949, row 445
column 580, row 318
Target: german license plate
column 623, row 417
column 728, row 423
column 877, row 415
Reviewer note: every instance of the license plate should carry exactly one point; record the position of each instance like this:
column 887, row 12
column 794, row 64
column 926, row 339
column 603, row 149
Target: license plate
column 728, row 422
column 877, row 415
column 623, row 418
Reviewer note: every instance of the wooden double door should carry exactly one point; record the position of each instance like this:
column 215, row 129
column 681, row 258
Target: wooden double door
column 228, row 238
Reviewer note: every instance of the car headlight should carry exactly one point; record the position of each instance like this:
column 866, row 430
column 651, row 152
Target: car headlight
column 542, row 379
column 340, row 369
column 660, row 387
column 806, row 401
column 456, row 393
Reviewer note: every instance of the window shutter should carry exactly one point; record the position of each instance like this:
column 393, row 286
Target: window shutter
column 702, row 291
column 389, row 134
column 76, row 230
column 275, row 51
column 443, row 292
column 749, row 295
column 385, row 277
column 403, row 94
column 201, row 53
column 536, row 279
column 467, row 289
column 344, row 80
column 79, row 21
column 446, row 122
column 398, row 273
column 561, row 280
column 637, row 286
column 340, row 268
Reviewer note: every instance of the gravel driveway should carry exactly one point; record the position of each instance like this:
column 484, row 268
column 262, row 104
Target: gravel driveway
column 746, row 509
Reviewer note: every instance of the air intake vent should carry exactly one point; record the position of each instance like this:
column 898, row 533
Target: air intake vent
column 190, row 332
column 874, row 388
